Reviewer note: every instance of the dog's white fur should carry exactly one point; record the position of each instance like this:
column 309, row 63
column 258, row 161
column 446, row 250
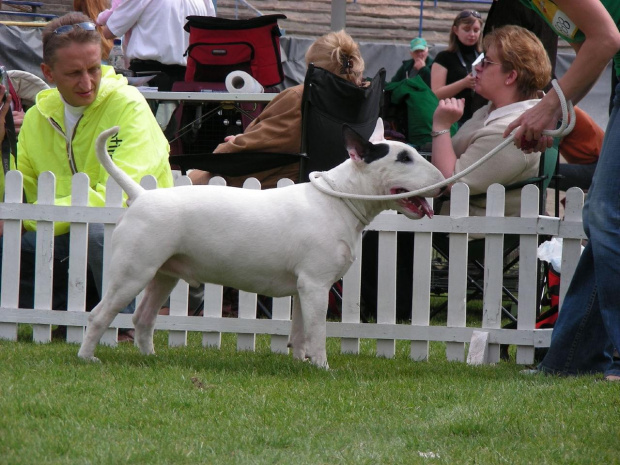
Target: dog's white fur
column 277, row 242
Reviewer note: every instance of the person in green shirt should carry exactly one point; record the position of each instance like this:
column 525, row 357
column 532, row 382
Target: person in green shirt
column 419, row 64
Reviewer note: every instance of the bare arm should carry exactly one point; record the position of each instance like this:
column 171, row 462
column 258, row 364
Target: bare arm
column 601, row 44
column 107, row 33
column 439, row 77
column 448, row 112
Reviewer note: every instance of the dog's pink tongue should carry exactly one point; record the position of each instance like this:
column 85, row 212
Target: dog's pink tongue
column 424, row 206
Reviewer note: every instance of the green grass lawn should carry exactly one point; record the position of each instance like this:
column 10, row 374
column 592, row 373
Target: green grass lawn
column 202, row 406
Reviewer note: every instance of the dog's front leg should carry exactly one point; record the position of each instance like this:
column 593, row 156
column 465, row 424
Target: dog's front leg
column 313, row 300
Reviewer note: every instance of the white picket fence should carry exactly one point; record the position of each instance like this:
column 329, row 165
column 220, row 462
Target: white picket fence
column 350, row 330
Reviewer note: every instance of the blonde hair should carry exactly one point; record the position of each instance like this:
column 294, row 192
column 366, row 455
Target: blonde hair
column 520, row 50
column 338, row 53
column 92, row 8
column 468, row 17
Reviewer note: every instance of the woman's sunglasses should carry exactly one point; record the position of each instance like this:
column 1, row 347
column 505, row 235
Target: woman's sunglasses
column 467, row 13
column 87, row 26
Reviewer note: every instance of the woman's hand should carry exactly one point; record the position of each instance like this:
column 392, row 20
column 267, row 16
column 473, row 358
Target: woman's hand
column 469, row 82
column 448, row 112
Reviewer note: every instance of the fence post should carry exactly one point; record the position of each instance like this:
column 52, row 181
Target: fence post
column 421, row 289
column 528, row 273
column 457, row 271
column 78, row 257
column 386, row 288
column 113, row 198
column 351, row 288
column 11, row 252
column 44, row 262
column 493, row 270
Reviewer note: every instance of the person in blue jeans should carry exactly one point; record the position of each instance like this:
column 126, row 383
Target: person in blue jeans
column 588, row 327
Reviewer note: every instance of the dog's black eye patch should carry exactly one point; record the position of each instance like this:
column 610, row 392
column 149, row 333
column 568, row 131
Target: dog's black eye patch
column 403, row 157
column 375, row 152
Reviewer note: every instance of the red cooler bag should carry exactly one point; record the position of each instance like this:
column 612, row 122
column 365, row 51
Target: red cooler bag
column 218, row 46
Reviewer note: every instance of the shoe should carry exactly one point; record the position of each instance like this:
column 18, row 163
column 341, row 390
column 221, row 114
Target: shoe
column 612, row 378
column 125, row 335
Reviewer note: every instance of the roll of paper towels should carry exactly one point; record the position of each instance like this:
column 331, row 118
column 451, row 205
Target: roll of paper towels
column 241, row 82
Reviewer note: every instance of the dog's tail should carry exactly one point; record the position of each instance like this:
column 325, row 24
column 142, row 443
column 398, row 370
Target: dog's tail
column 131, row 187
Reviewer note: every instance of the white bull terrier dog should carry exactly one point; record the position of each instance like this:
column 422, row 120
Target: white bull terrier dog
column 292, row 241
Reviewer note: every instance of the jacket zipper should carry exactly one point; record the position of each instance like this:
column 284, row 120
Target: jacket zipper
column 68, row 143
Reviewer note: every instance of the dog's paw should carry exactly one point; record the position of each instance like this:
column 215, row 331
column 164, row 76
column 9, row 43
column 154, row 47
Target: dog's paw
column 323, row 364
column 319, row 361
column 90, row 359
column 147, row 349
column 299, row 354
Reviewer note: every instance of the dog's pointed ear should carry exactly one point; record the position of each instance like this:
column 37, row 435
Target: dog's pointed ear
column 360, row 149
column 378, row 135
column 355, row 144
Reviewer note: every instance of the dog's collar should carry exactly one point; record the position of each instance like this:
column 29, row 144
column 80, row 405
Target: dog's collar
column 348, row 202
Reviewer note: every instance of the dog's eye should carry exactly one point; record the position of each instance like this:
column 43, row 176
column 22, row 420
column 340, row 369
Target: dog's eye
column 403, row 157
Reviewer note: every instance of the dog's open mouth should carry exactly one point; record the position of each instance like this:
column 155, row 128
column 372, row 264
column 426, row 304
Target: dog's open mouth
column 416, row 205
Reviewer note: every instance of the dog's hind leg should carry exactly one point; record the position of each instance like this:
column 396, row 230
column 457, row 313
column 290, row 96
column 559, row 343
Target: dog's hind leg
column 297, row 338
column 155, row 294
column 314, row 299
column 99, row 320
column 120, row 292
